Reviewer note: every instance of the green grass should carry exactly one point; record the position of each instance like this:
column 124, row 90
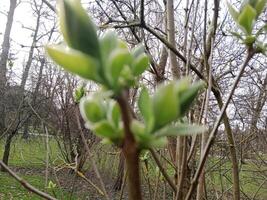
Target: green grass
column 32, row 154
column 251, row 178
column 11, row 189
column 29, row 154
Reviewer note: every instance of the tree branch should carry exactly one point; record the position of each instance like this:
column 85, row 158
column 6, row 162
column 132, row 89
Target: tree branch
column 215, row 128
column 25, row 184
column 162, row 170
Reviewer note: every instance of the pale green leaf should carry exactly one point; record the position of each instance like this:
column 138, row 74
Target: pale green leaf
column 260, row 6
column 187, row 97
column 114, row 113
column 104, row 129
column 74, row 61
column 180, row 130
column 145, row 106
column 108, row 42
column 239, row 36
column 138, row 50
column 246, row 18
column 137, row 127
column 140, row 64
column 165, row 105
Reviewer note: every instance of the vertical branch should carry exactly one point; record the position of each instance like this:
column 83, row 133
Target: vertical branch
column 171, row 38
column 208, row 66
column 25, row 184
column 192, row 188
column 130, row 149
column 47, row 156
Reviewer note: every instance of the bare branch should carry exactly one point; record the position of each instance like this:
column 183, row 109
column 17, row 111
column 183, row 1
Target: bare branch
column 25, row 184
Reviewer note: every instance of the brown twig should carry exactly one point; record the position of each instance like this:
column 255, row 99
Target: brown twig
column 25, row 184
column 130, row 149
column 162, row 170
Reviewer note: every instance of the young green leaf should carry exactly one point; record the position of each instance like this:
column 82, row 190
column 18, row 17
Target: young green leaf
column 158, row 142
column 140, row 64
column 182, row 85
column 246, row 18
column 188, row 96
column 74, row 61
column 260, row 6
column 180, row 130
column 145, row 106
column 137, row 128
column 105, row 129
column 108, row 42
column 138, row 50
column 239, row 36
column 165, row 105
column 114, row 113
column 122, row 45
column 77, row 28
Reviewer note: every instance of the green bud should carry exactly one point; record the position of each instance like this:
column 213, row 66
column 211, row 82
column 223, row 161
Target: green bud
column 249, row 40
column 115, row 64
column 78, row 94
column 92, row 109
column 126, row 78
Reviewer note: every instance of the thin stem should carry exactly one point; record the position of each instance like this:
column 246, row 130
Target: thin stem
column 25, row 184
column 192, row 188
column 162, row 170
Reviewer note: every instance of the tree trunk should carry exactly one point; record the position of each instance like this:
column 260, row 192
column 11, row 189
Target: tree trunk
column 176, row 75
column 3, row 62
column 21, row 92
column 8, row 145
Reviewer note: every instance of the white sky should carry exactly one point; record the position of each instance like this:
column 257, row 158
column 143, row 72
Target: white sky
column 19, row 35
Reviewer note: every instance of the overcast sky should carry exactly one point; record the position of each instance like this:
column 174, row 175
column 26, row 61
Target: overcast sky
column 20, row 33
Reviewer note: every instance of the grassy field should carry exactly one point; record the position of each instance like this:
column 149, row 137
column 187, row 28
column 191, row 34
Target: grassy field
column 28, row 159
column 252, row 178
